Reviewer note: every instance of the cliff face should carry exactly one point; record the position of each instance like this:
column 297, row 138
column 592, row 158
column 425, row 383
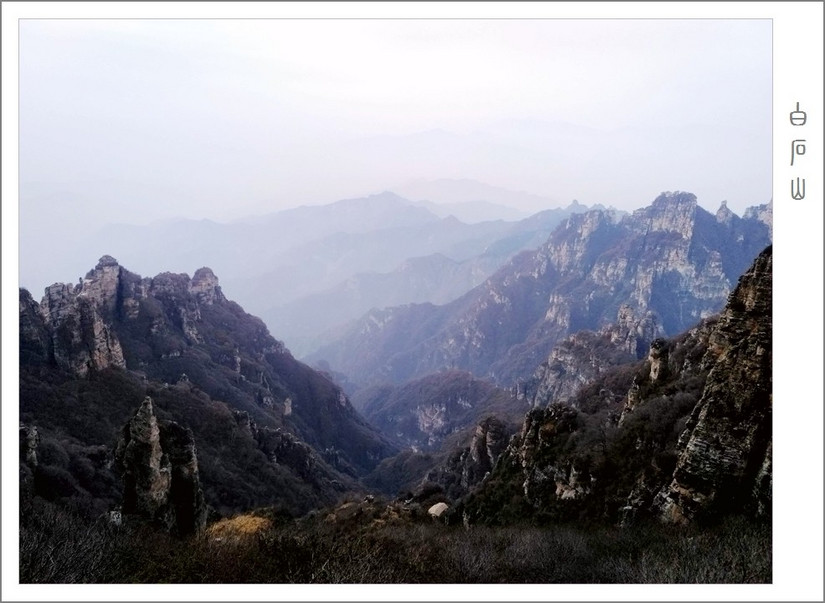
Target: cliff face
column 725, row 451
column 690, row 437
column 313, row 467
column 672, row 260
column 81, row 318
column 763, row 213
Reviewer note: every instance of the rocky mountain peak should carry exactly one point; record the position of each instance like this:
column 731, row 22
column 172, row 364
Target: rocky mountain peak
column 106, row 261
column 723, row 214
column 672, row 261
column 80, row 316
column 81, row 339
column 679, row 199
column 101, row 284
column 204, row 286
column 567, row 249
column 170, row 284
column 308, row 447
column 670, row 212
column 763, row 213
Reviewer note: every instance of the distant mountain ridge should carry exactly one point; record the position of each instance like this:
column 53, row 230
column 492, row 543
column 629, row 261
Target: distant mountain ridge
column 448, row 271
column 272, row 264
column 471, row 200
column 672, row 258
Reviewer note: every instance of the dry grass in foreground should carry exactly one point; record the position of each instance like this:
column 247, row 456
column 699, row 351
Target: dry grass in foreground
column 57, row 547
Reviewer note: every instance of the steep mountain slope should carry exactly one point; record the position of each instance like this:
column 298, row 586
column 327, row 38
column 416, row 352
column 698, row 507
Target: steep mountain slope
column 725, row 458
column 672, row 259
column 430, row 418
column 684, row 435
column 268, row 428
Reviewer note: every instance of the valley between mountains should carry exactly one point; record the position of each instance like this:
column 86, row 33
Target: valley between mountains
column 583, row 395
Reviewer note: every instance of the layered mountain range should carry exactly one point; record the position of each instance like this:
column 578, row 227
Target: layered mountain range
column 654, row 272
column 310, row 269
column 347, row 274
column 160, row 397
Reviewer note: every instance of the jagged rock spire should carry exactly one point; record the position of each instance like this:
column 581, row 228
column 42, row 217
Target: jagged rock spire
column 159, row 468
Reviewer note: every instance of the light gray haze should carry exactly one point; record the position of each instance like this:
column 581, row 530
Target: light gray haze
column 132, row 121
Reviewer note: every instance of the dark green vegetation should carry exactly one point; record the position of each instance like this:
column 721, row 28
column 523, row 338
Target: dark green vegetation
column 58, row 547
column 598, row 461
column 78, row 426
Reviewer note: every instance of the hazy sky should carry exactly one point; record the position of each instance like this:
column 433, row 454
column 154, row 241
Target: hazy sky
column 136, row 120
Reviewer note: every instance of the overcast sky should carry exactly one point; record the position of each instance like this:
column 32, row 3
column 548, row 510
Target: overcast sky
column 196, row 118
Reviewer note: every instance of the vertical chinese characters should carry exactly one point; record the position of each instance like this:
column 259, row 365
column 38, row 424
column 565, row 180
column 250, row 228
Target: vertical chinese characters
column 798, row 118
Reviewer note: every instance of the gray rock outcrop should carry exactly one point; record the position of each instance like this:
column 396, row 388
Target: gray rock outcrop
column 76, row 317
column 204, row 286
column 159, row 467
column 35, row 340
column 763, row 213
